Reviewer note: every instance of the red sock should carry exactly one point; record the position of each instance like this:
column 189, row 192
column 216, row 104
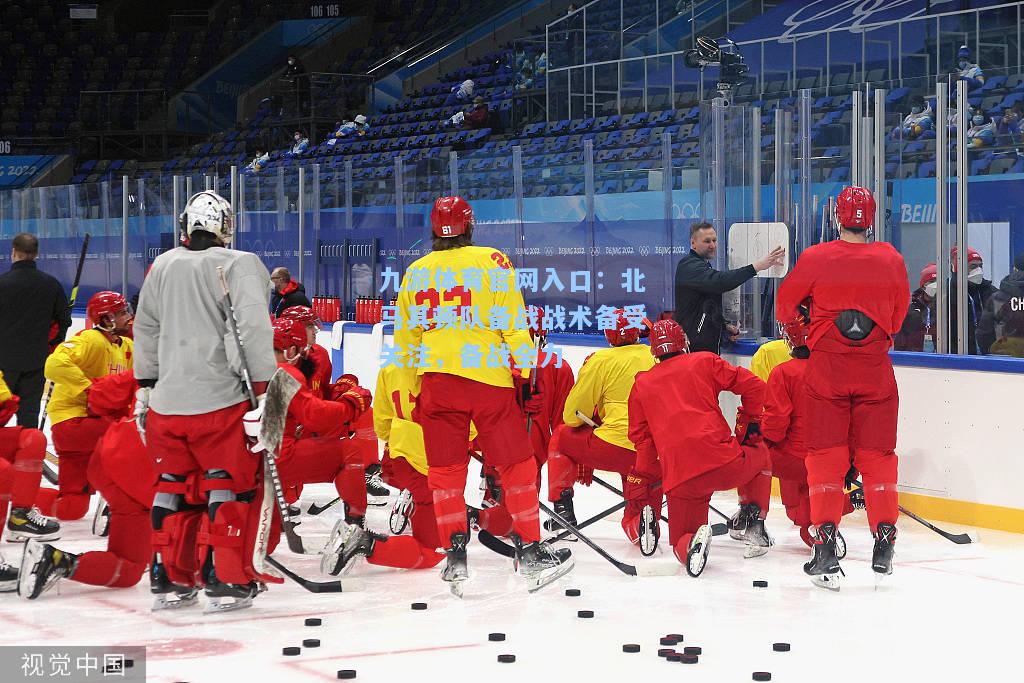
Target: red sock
column 403, row 552
column 561, row 475
column 496, row 520
column 351, row 485
column 28, row 467
column 521, row 498
column 448, row 485
column 825, row 471
column 879, row 470
column 127, row 555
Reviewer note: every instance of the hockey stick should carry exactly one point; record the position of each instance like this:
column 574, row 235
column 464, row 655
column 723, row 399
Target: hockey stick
column 271, row 478
column 347, row 586
column 315, row 509
column 492, row 542
column 959, row 539
column 716, row 529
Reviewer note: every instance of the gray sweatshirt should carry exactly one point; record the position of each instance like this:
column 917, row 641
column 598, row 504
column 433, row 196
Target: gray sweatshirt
column 182, row 334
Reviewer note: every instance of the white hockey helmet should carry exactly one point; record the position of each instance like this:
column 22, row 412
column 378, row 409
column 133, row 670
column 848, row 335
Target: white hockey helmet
column 210, row 212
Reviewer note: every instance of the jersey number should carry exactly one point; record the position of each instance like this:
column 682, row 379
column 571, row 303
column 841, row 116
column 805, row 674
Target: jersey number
column 396, row 398
column 432, row 299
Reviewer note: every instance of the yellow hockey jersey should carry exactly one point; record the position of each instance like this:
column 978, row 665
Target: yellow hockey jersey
column 448, row 303
column 768, row 356
column 604, row 383
column 393, row 403
column 5, row 391
column 75, row 363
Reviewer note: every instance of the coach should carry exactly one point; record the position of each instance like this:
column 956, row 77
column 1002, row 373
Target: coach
column 699, row 289
column 31, row 303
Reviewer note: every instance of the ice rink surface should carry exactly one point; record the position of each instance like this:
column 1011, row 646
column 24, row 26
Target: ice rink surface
column 948, row 613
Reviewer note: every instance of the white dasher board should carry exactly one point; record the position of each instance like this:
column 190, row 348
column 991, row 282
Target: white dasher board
column 750, row 241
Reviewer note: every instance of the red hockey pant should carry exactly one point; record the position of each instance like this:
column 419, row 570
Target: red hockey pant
column 328, row 460
column 129, row 549
column 446, row 405
column 792, row 475
column 74, row 440
column 22, row 450
column 852, row 412
column 688, row 502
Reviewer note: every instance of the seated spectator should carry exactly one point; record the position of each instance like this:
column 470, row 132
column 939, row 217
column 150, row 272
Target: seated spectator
column 361, row 125
column 476, row 118
column 1003, row 318
column 982, row 133
column 918, row 330
column 919, row 123
column 541, row 65
column 301, row 144
column 1009, row 128
column 969, row 71
column 258, row 161
column 462, row 92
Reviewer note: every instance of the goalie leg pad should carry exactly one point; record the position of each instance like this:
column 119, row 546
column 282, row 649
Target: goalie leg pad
column 176, row 540
column 230, row 533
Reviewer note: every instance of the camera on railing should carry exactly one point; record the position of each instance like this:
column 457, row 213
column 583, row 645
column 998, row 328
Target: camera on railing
column 722, row 53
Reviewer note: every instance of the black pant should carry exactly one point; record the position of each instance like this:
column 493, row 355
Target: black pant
column 28, row 385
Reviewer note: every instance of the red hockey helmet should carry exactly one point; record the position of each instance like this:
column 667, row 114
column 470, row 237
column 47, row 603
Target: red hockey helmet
column 622, row 334
column 304, row 314
column 929, row 274
column 794, row 333
column 451, row 217
column 104, row 303
column 289, row 333
column 973, row 256
column 855, row 208
column 668, row 337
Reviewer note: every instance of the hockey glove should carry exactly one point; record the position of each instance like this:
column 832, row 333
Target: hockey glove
column 251, row 422
column 141, row 410
column 522, row 388
column 343, row 384
column 8, row 408
column 534, row 405
column 752, row 435
column 358, row 399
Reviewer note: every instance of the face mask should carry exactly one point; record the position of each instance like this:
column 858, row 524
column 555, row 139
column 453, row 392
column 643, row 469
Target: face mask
column 930, row 288
column 978, row 120
column 975, row 276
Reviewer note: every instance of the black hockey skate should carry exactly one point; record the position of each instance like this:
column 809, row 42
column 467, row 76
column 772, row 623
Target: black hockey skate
column 755, row 536
column 824, row 568
column 8, row 577
column 456, row 569
column 348, row 542
column 564, row 508
column 737, row 524
column 377, row 494
column 649, row 532
column 491, row 491
column 168, row 595
column 228, row 597
column 697, row 551
column 881, row 557
column 42, row 566
column 401, row 512
column 27, row 523
column 101, row 520
column 540, row 564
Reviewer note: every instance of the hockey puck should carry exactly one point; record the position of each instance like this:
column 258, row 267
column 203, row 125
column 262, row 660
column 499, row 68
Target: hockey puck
column 677, row 636
column 631, row 648
column 674, row 658
column 291, row 651
column 129, row 663
column 585, row 614
column 692, row 650
column 762, row 676
column 666, row 651
column 689, row 659
column 760, row 584
column 495, row 637
column 780, row 647
column 346, row 673
column 506, row 659
column 311, row 642
column 670, row 640
column 573, row 592
column 419, row 605
column 314, row 621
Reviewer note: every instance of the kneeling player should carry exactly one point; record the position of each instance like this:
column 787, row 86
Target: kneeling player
column 674, row 418
column 604, row 384
column 122, row 471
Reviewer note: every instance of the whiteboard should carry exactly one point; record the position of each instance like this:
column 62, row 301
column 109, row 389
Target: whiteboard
column 751, row 241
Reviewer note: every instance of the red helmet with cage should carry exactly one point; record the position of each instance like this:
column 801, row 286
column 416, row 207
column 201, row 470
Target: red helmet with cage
column 794, row 333
column 288, row 333
column 973, row 256
column 668, row 337
column 855, row 208
column 304, row 314
column 929, row 274
column 104, row 303
column 451, row 217
column 622, row 334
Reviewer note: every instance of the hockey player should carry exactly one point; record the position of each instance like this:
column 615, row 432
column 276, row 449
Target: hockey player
column 312, row 450
column 675, row 420
column 72, row 367
column 858, row 296
column 404, row 467
column 769, row 356
column 459, row 341
column 315, row 364
column 190, row 409
column 122, row 471
column 577, row 449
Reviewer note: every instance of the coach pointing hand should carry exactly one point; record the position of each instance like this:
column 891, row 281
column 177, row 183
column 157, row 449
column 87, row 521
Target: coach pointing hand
column 699, row 288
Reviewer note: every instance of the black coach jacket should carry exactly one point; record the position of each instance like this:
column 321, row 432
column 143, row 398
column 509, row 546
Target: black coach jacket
column 699, row 289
